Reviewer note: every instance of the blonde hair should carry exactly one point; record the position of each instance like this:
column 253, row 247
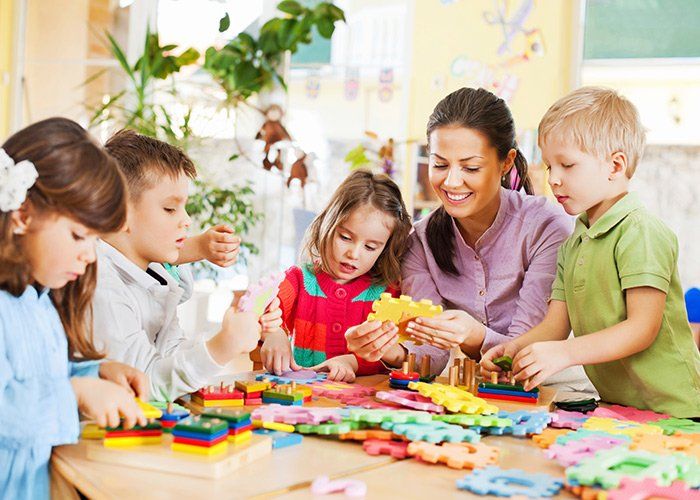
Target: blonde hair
column 362, row 188
column 599, row 121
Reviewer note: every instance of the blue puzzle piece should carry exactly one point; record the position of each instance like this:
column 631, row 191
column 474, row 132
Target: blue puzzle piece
column 280, row 439
column 524, row 423
column 320, row 377
column 433, row 432
column 510, row 482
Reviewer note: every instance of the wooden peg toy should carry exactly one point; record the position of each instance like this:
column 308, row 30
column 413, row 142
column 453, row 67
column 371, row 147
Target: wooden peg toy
column 412, row 362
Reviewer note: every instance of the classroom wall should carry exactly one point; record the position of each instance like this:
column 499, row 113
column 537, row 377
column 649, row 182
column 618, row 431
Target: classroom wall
column 7, row 14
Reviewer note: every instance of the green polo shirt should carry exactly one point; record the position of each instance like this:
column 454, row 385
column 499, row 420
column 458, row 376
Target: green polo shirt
column 628, row 247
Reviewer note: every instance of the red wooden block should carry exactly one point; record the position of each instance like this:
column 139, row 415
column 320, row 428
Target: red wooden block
column 133, row 433
column 399, row 375
column 253, row 402
column 217, row 394
column 199, row 442
column 233, row 432
column 253, row 395
column 503, row 397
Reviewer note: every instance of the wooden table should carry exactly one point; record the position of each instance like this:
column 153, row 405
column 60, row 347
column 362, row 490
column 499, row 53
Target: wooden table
column 288, row 472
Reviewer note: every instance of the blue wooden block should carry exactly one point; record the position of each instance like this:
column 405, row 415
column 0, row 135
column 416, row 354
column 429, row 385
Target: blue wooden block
column 519, row 394
column 280, row 439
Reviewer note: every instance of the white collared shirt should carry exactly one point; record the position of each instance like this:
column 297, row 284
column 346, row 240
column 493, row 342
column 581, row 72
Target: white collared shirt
column 135, row 318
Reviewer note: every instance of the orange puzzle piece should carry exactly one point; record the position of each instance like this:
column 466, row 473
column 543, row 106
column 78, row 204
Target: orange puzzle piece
column 400, row 311
column 455, row 455
column 548, row 437
column 664, row 445
column 362, row 435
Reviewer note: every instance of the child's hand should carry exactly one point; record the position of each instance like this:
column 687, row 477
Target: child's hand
column 106, row 402
column 486, row 363
column 538, row 361
column 242, row 328
column 276, row 353
column 130, row 378
column 219, row 245
column 448, row 329
column 272, row 319
column 372, row 339
column 340, row 368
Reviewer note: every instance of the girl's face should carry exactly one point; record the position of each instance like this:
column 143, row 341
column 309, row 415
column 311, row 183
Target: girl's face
column 57, row 248
column 358, row 242
column 465, row 171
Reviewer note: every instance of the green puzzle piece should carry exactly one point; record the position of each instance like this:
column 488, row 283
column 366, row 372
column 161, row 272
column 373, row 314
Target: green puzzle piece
column 395, row 416
column 324, row 429
column 474, row 420
column 672, row 425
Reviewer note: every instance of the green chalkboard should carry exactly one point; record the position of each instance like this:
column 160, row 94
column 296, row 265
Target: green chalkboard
column 633, row 29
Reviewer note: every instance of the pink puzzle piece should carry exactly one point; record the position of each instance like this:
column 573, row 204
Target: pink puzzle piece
column 322, row 485
column 410, row 399
column 261, row 294
column 341, row 390
column 628, row 413
column 294, row 415
column 562, row 419
column 630, row 489
column 367, row 402
column 397, row 449
column 573, row 452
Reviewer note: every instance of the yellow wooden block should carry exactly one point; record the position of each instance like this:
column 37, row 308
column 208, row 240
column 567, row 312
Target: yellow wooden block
column 614, row 426
column 92, row 431
column 126, row 442
column 214, row 403
column 454, row 399
column 201, row 450
column 252, row 386
column 305, row 390
column 400, row 311
column 243, row 437
column 273, row 426
column 149, row 411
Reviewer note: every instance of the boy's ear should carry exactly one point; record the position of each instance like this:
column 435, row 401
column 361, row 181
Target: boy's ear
column 21, row 218
column 618, row 165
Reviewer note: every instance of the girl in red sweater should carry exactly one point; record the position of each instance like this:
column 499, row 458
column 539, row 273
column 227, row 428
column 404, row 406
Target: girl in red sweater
column 353, row 251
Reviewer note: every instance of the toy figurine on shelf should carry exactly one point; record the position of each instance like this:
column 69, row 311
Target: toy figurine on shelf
column 386, row 157
column 300, row 168
column 272, row 131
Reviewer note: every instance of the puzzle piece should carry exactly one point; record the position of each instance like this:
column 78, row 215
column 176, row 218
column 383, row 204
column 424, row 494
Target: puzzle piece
column 394, row 416
column 341, row 390
column 410, row 399
column 280, row 439
column 454, row 399
column 299, row 376
column 648, row 488
column 396, row 449
column 364, row 434
column 524, row 423
column 400, row 311
column 474, row 420
column 456, row 455
column 585, row 433
column 322, row 485
column 548, row 437
column 614, row 426
column 562, row 419
column 574, row 451
column 433, row 432
column 324, row 429
column 608, row 467
column 510, row 482
column 367, row 403
column 261, row 294
column 295, row 415
column 629, row 413
column 673, row 425
column 688, row 444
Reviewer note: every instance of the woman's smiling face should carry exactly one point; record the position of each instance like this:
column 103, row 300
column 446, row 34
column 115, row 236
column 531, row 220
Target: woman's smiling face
column 465, row 170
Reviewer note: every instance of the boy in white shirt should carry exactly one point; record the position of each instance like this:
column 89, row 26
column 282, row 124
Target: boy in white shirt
column 136, row 299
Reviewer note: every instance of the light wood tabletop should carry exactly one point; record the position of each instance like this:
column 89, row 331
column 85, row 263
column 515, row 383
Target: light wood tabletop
column 288, row 472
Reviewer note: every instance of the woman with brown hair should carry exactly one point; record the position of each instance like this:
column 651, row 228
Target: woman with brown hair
column 58, row 191
column 488, row 253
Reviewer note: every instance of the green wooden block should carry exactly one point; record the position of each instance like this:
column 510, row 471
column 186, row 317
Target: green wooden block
column 202, row 425
column 505, row 363
column 506, row 387
column 233, row 416
column 150, row 426
column 297, row 396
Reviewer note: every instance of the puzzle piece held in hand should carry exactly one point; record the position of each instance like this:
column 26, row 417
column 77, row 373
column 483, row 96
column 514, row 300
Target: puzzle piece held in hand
column 510, row 482
column 400, row 311
column 454, row 399
column 456, row 455
column 396, row 449
column 260, row 295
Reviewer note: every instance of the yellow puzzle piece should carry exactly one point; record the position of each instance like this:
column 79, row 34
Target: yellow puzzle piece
column 454, row 399
column 400, row 311
column 614, row 426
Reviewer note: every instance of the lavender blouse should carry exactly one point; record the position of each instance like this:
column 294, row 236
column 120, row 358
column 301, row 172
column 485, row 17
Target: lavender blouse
column 504, row 281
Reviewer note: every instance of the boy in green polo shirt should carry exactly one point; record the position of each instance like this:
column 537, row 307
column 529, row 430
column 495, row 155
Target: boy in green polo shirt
column 617, row 284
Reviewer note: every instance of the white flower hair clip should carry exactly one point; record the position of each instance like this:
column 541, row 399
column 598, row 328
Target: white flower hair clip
column 15, row 181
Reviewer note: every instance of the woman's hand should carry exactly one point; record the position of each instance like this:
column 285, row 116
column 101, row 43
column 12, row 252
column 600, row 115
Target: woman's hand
column 372, row 339
column 448, row 329
column 340, row 368
column 128, row 377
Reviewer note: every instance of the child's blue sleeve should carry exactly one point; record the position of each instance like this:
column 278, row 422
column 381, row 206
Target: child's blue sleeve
column 84, row 368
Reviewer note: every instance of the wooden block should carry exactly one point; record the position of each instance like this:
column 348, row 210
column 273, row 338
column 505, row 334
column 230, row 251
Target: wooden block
column 127, row 442
column 213, row 403
column 252, row 386
column 241, row 438
column 201, row 450
column 230, row 416
column 149, row 411
column 162, row 458
column 202, row 425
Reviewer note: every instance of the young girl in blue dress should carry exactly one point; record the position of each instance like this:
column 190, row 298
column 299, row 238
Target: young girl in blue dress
column 58, row 190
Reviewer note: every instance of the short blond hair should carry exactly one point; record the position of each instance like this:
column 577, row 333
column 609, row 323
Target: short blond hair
column 599, row 121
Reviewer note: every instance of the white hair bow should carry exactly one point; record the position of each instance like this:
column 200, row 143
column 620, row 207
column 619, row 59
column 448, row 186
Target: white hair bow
column 15, row 181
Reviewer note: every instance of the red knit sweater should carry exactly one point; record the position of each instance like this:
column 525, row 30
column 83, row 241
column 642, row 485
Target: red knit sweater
column 317, row 311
